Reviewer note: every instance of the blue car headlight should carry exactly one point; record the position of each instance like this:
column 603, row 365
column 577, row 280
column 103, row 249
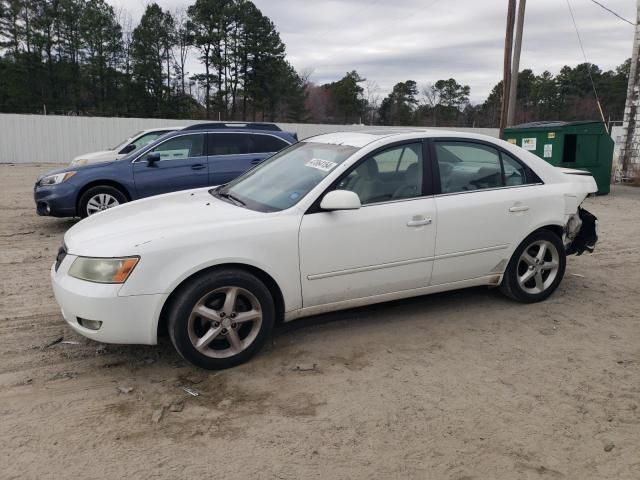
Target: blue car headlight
column 56, row 178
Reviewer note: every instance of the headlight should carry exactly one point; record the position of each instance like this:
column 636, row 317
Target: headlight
column 103, row 270
column 56, row 179
column 79, row 162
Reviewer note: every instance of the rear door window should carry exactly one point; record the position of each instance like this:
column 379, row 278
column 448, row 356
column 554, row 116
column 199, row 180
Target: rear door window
column 265, row 143
column 514, row 172
column 228, row 144
column 468, row 166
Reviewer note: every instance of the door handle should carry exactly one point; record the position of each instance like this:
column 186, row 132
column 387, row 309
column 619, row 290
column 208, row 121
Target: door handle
column 198, row 166
column 519, row 208
column 418, row 222
column 256, row 161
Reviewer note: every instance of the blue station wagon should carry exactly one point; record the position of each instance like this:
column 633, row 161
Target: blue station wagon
column 196, row 156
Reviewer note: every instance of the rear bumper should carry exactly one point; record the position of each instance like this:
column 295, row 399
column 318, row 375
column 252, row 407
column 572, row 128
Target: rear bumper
column 585, row 234
column 125, row 319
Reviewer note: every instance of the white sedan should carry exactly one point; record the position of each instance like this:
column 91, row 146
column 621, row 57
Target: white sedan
column 333, row 222
column 135, row 142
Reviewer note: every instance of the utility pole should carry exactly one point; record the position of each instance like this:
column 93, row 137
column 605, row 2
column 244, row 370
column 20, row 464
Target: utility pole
column 630, row 150
column 506, row 75
column 515, row 68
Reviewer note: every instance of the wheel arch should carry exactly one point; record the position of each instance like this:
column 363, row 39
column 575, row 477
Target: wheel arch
column 263, row 276
column 506, row 282
column 99, row 183
column 556, row 228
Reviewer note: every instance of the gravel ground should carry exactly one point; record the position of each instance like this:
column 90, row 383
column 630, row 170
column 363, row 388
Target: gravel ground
column 463, row 385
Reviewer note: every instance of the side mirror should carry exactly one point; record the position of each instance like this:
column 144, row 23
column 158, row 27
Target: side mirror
column 152, row 158
column 340, row 200
column 128, row 149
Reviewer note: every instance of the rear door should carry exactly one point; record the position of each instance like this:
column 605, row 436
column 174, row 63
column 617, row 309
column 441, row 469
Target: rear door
column 487, row 202
column 233, row 153
column 183, row 165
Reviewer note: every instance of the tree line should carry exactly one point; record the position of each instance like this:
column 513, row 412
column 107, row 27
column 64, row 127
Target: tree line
column 569, row 95
column 82, row 57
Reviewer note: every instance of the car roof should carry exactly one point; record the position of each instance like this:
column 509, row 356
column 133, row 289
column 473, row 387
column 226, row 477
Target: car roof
column 156, row 129
column 360, row 138
column 233, row 128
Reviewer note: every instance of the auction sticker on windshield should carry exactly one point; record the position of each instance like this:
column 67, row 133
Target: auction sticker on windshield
column 319, row 164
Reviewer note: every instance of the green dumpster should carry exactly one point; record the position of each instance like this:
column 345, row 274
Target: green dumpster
column 582, row 145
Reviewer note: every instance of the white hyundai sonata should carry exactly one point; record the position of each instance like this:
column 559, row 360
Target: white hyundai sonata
column 336, row 221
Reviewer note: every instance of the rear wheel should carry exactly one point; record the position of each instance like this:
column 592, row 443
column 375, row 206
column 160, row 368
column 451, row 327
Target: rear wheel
column 536, row 268
column 221, row 319
column 99, row 198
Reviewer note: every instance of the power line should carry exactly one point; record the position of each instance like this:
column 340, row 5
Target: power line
column 593, row 84
column 613, row 13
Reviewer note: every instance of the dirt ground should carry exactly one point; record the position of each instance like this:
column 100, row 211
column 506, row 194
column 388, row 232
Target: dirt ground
column 463, row 385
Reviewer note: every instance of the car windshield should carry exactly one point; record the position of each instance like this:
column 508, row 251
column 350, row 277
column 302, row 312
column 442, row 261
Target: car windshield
column 126, row 142
column 145, row 148
column 284, row 179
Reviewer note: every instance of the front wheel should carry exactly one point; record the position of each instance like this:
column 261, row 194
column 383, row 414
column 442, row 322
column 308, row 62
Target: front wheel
column 221, row 319
column 536, row 268
column 98, row 199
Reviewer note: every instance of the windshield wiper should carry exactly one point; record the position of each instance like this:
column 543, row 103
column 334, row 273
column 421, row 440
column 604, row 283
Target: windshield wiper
column 231, row 197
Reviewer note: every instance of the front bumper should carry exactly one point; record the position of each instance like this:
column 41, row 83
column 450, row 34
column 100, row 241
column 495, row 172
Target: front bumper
column 125, row 319
column 55, row 200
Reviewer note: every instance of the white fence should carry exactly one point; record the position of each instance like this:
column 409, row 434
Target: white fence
column 57, row 139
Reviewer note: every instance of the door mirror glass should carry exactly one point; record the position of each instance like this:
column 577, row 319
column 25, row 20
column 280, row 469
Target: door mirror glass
column 128, row 149
column 152, row 158
column 340, row 200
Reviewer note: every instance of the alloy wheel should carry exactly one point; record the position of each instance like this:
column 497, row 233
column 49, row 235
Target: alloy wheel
column 538, row 266
column 225, row 322
column 100, row 202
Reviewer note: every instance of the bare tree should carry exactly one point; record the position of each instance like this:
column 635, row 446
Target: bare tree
column 183, row 44
column 372, row 96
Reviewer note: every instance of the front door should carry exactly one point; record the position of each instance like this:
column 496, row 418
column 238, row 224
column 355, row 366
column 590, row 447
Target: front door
column 183, row 165
column 386, row 246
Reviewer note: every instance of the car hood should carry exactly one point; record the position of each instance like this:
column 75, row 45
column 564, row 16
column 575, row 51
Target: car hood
column 95, row 157
column 133, row 227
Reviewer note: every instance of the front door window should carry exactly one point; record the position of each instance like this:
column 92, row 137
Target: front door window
column 394, row 174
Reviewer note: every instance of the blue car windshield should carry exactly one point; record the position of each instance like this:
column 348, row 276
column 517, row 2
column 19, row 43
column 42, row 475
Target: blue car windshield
column 284, row 179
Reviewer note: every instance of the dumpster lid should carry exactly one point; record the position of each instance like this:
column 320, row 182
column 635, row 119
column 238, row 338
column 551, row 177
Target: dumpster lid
column 553, row 124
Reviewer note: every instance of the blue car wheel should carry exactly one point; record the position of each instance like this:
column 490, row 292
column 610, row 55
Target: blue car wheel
column 99, row 198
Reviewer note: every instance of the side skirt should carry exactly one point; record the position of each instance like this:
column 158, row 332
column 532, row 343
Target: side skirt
column 489, row 280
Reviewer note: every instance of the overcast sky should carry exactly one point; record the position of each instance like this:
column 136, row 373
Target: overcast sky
column 389, row 41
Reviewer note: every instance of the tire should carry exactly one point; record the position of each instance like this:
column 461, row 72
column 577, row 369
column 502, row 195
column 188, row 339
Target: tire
column 214, row 328
column 543, row 275
column 99, row 198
